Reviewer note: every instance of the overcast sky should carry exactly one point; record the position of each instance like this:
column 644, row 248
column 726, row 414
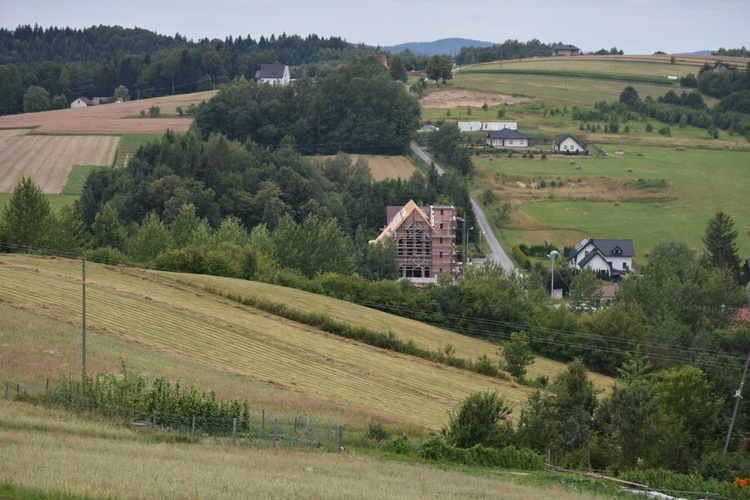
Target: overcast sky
column 634, row 26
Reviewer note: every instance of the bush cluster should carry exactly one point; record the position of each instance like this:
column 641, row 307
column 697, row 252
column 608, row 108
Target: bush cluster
column 509, row 457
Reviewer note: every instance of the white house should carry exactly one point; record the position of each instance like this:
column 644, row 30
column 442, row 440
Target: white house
column 275, row 74
column 508, row 139
column 568, row 144
column 608, row 256
column 81, row 102
column 469, row 126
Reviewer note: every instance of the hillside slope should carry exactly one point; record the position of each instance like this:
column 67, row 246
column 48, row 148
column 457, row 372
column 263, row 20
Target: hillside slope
column 167, row 314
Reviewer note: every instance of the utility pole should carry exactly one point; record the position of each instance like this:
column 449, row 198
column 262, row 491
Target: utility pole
column 738, row 396
column 463, row 245
column 554, row 254
column 83, row 311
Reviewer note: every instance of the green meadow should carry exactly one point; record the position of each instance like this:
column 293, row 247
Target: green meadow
column 700, row 182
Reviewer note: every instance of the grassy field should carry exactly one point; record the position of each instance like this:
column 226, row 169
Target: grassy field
column 129, row 144
column 129, row 307
column 58, row 454
column 700, row 182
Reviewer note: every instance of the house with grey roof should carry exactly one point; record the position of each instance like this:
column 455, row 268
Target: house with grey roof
column 509, row 139
column 566, row 143
column 566, row 50
column 613, row 257
column 274, row 74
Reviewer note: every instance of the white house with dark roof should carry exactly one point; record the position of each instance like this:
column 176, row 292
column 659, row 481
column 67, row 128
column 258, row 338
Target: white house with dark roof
column 507, row 139
column 568, row 144
column 566, row 50
column 607, row 256
column 274, row 74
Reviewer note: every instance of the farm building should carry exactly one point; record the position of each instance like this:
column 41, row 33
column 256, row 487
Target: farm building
column 568, row 144
column 566, row 50
column 425, row 239
column 474, row 126
column 509, row 139
column 274, row 74
column 83, row 102
column 613, row 257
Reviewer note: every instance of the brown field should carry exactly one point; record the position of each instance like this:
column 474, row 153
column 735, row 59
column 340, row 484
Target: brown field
column 388, row 167
column 456, row 98
column 109, row 119
column 49, row 159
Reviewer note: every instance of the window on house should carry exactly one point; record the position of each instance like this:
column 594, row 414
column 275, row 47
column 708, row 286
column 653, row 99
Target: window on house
column 625, row 266
column 510, row 142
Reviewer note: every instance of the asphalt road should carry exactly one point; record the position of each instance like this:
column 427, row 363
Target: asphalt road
column 497, row 254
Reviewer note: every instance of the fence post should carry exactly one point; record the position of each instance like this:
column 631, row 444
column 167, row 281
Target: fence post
column 340, row 437
column 192, row 429
column 153, row 418
column 274, row 432
column 295, row 425
column 263, row 419
column 46, row 387
column 234, row 431
column 307, row 424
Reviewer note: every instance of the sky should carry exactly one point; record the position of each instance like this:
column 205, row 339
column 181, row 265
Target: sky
column 633, row 26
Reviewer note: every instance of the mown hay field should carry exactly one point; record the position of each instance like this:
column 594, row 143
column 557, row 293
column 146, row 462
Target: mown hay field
column 152, row 310
column 110, row 119
column 49, row 159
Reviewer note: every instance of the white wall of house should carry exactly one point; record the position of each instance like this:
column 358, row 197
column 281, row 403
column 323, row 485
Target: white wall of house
column 78, row 103
column 569, row 144
column 284, row 80
column 508, row 143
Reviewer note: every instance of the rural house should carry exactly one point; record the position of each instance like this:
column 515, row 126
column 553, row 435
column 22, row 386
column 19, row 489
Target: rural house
column 508, row 138
column 275, row 74
column 425, row 239
column 568, row 144
column 474, row 126
column 566, row 50
column 613, row 257
column 83, row 102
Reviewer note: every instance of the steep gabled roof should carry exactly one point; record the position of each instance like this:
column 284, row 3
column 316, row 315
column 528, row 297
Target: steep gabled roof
column 271, row 71
column 562, row 138
column 566, row 47
column 507, row 133
column 606, row 248
column 403, row 214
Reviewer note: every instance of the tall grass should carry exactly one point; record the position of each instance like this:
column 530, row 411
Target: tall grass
column 59, row 454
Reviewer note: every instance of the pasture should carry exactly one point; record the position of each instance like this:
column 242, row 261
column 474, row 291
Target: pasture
column 594, row 200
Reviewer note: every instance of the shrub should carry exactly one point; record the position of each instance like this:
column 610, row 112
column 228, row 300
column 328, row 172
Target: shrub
column 108, row 255
column 480, row 419
column 521, row 258
column 154, row 111
column 377, row 431
column 399, row 445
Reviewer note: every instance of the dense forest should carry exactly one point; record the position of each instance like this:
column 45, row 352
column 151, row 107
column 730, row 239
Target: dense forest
column 69, row 63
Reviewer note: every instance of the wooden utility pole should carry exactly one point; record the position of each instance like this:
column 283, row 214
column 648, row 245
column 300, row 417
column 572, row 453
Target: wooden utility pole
column 83, row 313
column 738, row 396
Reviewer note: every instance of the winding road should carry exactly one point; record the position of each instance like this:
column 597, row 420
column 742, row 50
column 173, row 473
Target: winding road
column 497, row 254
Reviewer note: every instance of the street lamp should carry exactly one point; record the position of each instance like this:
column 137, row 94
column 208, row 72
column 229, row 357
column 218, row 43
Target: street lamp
column 554, row 254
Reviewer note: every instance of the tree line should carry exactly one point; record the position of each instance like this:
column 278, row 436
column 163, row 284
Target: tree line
column 69, row 63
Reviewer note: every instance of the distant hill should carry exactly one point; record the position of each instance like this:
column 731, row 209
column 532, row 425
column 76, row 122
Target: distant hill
column 698, row 53
column 444, row 46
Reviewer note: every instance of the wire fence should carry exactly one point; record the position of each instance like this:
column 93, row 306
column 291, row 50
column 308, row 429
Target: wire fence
column 256, row 428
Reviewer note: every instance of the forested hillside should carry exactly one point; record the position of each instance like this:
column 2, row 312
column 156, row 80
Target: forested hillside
column 67, row 63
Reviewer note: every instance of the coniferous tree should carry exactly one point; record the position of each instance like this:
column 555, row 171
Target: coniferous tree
column 720, row 242
column 27, row 217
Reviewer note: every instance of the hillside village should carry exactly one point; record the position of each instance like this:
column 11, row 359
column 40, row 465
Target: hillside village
column 558, row 281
